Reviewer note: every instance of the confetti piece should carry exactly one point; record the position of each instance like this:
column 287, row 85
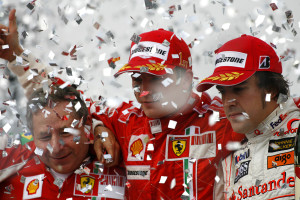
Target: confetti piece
column 109, row 188
column 58, row 182
column 172, row 124
column 72, row 131
column 166, row 82
column 76, row 139
column 144, row 22
column 150, row 147
column 173, row 183
column 6, row 127
column 219, row 146
column 259, row 20
column 233, row 146
column 268, row 98
column 50, row 148
column 163, row 179
column 273, row 6
column 38, row 151
column 217, row 179
column 107, row 71
column 144, row 93
column 135, row 38
column 225, row 26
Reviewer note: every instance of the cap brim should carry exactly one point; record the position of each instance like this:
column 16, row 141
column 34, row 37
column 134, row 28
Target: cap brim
column 228, row 78
column 149, row 68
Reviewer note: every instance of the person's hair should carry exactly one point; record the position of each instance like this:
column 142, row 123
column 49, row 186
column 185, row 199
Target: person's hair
column 40, row 99
column 272, row 82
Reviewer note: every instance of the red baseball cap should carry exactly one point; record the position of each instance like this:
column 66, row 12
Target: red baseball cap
column 238, row 59
column 155, row 52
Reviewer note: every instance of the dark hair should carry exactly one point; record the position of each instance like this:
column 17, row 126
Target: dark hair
column 40, row 99
column 272, row 82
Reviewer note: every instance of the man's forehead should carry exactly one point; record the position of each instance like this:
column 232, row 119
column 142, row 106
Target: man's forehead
column 231, row 86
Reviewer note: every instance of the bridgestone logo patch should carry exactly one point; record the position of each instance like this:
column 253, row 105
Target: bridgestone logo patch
column 264, row 62
column 231, row 59
column 138, row 172
column 150, row 49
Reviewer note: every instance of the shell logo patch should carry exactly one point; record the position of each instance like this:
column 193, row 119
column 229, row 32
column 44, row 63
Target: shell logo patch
column 136, row 147
column 33, row 186
column 178, row 146
column 87, row 182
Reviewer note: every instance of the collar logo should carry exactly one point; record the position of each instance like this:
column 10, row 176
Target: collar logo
column 33, row 186
column 87, row 182
column 179, row 146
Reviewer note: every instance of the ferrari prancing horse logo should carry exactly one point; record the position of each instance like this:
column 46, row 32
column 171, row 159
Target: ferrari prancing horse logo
column 178, row 146
column 87, row 182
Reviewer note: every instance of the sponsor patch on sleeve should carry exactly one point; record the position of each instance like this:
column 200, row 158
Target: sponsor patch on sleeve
column 281, row 144
column 281, row 160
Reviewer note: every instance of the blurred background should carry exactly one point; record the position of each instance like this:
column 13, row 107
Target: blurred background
column 101, row 29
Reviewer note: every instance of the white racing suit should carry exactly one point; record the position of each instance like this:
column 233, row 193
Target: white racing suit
column 263, row 168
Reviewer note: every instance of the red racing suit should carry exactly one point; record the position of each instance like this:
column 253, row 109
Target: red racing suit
column 263, row 168
column 167, row 162
column 21, row 162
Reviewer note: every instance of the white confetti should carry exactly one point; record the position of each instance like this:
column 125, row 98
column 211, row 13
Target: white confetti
column 72, row 131
column 102, row 57
column 144, row 22
column 173, row 183
column 50, row 148
column 77, row 106
column 6, row 127
column 150, row 147
column 225, row 26
column 163, row 179
column 219, row 146
column 109, row 188
column 38, row 151
column 233, row 146
column 107, row 71
column 172, row 124
column 217, row 179
column 51, row 55
column 259, row 20
column 268, row 98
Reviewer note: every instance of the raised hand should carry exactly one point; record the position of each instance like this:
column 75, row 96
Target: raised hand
column 9, row 36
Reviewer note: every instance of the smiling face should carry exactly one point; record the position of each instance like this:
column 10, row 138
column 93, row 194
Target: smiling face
column 244, row 105
column 160, row 96
column 66, row 155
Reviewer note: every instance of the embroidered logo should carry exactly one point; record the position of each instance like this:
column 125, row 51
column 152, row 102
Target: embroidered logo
column 264, row 62
column 33, row 186
column 241, row 171
column 178, row 146
column 87, row 184
column 281, row 160
column 136, row 147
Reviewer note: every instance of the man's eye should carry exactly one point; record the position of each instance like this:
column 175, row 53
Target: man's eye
column 45, row 138
column 65, row 134
column 238, row 89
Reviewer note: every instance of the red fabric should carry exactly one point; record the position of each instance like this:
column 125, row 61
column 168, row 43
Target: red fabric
column 49, row 190
column 134, row 123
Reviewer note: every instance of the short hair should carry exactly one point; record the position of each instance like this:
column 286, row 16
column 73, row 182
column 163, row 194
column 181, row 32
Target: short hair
column 272, row 82
column 40, row 99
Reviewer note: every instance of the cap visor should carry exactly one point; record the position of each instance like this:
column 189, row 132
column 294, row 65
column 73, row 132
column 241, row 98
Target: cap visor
column 224, row 78
column 149, row 68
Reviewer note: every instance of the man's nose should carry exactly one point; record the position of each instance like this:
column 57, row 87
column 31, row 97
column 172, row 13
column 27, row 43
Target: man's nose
column 229, row 100
column 55, row 144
